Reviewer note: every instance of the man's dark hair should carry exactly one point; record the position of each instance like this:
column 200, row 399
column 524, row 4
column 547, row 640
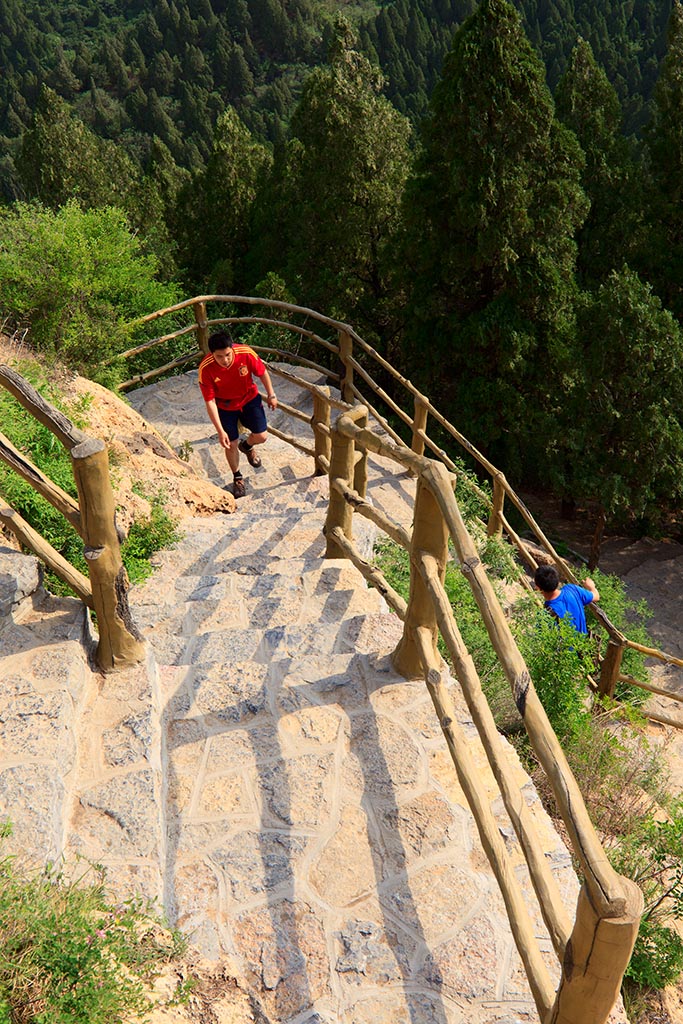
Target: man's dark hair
column 220, row 340
column 547, row 578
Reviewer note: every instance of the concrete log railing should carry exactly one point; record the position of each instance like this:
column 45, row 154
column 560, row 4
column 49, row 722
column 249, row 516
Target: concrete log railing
column 93, row 517
column 353, row 359
column 593, row 952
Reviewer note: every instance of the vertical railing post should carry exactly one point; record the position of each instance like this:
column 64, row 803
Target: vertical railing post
column 610, row 668
column 339, row 512
column 430, row 537
column 360, row 473
column 321, row 415
column 202, row 331
column 346, row 354
column 420, row 414
column 595, row 959
column 495, row 523
column 120, row 642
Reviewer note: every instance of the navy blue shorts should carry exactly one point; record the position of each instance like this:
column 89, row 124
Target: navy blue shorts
column 251, row 416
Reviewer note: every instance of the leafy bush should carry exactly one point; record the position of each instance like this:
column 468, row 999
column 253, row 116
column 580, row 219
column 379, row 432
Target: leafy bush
column 76, row 278
column 148, row 536
column 652, row 855
column 631, row 617
column 67, row 956
column 559, row 661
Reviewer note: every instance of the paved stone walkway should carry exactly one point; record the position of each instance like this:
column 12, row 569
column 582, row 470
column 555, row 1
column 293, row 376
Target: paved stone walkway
column 266, row 775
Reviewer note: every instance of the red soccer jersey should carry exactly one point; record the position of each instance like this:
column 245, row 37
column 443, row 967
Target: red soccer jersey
column 232, row 387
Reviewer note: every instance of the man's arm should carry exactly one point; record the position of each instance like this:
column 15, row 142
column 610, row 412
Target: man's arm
column 270, row 393
column 212, row 410
column 589, row 585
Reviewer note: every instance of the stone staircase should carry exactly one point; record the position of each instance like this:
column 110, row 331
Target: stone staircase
column 266, row 775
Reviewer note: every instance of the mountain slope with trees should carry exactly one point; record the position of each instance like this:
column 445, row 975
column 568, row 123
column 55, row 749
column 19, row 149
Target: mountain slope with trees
column 477, row 246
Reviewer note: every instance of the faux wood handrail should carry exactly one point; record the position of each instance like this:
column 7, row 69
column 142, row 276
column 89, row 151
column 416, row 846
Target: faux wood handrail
column 94, row 516
column 421, row 437
column 55, row 421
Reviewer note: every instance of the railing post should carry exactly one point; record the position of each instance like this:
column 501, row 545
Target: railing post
column 360, row 473
column 430, row 537
column 595, row 959
column 610, row 668
column 420, row 414
column 495, row 523
column 120, row 643
column 346, row 354
column 339, row 512
column 321, row 414
column 202, row 331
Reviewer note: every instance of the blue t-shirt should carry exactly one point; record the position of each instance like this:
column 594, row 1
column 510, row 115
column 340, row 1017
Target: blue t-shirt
column 570, row 603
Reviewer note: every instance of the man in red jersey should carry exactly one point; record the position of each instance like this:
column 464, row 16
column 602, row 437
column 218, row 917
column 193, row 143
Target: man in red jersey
column 226, row 380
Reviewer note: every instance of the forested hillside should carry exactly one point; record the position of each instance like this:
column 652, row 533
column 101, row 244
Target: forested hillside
column 490, row 193
column 132, row 71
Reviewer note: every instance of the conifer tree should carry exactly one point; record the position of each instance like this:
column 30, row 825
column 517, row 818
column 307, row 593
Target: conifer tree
column 216, row 208
column 665, row 147
column 491, row 212
column 61, row 159
column 588, row 104
column 334, row 200
column 622, row 428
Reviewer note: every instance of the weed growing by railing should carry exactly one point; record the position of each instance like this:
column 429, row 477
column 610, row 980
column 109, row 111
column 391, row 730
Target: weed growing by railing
column 69, row 956
column 148, row 536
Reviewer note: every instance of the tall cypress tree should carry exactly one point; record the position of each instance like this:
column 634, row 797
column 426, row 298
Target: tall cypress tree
column 491, row 212
column 588, row 104
column 221, row 196
column 333, row 204
column 665, row 146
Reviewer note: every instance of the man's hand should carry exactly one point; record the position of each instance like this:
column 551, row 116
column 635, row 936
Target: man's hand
column 589, row 584
column 272, row 401
column 224, row 440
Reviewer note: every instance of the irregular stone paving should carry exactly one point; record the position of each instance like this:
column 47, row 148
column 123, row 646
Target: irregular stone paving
column 266, row 775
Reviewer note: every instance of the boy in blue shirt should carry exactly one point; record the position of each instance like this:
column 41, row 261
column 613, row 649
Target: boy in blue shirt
column 568, row 601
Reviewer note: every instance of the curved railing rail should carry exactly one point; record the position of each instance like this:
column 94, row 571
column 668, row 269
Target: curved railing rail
column 354, row 358
column 93, row 517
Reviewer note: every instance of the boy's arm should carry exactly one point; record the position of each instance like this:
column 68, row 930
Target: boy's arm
column 590, row 585
column 270, row 393
column 212, row 410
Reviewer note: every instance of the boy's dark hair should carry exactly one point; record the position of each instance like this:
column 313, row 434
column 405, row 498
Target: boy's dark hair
column 220, row 340
column 547, row 578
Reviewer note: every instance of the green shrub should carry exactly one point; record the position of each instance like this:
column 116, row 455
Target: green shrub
column 631, row 617
column 559, row 661
column 651, row 853
column 148, row 536
column 76, row 278
column 67, row 956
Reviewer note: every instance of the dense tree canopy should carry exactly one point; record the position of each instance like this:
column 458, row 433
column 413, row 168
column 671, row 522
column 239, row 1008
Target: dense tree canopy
column 333, row 206
column 621, row 429
column 491, row 213
column 588, row 104
column 257, row 146
column 665, row 148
